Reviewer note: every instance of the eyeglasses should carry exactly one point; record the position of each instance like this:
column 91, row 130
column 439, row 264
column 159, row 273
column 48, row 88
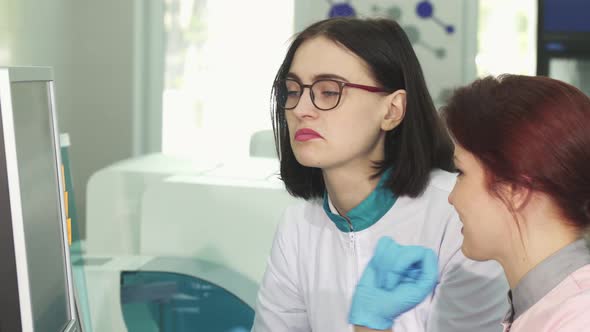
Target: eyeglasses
column 325, row 93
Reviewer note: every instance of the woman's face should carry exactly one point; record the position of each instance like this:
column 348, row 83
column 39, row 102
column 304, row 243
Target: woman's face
column 485, row 217
column 352, row 132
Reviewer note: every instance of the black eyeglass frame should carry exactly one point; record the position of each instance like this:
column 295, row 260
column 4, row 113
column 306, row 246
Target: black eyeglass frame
column 341, row 85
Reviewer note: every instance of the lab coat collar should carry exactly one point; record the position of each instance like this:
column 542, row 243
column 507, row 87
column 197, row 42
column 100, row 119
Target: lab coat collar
column 545, row 276
column 368, row 212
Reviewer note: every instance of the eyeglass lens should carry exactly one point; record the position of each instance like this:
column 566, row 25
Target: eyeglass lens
column 325, row 94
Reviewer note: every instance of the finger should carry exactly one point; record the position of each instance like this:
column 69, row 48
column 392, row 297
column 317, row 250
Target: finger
column 399, row 267
column 429, row 265
column 414, row 272
column 385, row 253
column 429, row 272
column 388, row 280
column 408, row 258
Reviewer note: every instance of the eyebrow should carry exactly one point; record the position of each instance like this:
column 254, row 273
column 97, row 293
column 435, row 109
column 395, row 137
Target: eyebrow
column 319, row 77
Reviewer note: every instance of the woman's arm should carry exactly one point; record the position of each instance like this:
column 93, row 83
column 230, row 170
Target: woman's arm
column 280, row 306
column 471, row 296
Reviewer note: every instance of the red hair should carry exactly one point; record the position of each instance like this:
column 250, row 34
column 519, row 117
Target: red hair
column 532, row 132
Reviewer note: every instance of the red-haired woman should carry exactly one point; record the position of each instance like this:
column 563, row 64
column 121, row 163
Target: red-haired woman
column 522, row 150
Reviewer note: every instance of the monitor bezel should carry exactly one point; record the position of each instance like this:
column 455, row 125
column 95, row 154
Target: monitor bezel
column 9, row 75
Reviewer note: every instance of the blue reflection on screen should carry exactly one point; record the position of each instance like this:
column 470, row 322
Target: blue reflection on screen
column 566, row 15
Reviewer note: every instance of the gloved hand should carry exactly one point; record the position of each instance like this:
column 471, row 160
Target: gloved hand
column 396, row 280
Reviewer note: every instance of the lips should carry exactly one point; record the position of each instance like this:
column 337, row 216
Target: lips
column 306, row 134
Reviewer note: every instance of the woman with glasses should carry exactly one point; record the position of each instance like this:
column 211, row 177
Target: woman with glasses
column 522, row 148
column 360, row 142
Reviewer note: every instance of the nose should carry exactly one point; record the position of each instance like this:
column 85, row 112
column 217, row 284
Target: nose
column 451, row 196
column 305, row 108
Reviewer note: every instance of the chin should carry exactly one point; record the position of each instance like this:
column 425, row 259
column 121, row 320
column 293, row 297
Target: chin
column 309, row 162
column 308, row 159
column 473, row 254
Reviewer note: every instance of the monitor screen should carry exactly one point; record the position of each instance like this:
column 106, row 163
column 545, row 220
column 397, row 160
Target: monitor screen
column 566, row 15
column 39, row 283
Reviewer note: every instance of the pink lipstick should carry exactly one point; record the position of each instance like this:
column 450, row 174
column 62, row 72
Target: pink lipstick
column 306, row 134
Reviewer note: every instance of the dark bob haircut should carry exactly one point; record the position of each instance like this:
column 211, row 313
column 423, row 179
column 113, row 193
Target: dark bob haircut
column 532, row 132
column 419, row 144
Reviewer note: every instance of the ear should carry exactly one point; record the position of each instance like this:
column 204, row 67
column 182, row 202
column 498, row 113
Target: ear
column 396, row 110
column 519, row 196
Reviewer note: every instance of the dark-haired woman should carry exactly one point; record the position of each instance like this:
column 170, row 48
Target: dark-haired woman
column 360, row 142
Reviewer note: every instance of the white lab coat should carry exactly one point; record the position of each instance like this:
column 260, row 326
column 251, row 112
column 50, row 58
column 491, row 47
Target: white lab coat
column 314, row 267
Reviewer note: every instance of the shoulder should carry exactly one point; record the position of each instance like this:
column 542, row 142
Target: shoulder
column 303, row 209
column 578, row 302
column 303, row 223
column 581, row 278
column 441, row 180
column 435, row 197
column 565, row 308
column 441, row 221
column 428, row 218
column 302, row 214
column 575, row 287
column 570, row 314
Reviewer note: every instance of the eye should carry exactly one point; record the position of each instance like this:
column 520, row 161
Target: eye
column 459, row 172
column 293, row 93
column 326, row 89
column 292, row 88
column 330, row 93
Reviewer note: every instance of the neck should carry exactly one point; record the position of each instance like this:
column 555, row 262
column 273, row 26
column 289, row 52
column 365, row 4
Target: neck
column 347, row 188
column 526, row 252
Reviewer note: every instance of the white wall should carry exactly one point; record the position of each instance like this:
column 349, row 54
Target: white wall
column 96, row 49
column 99, row 117
column 107, row 64
column 457, row 67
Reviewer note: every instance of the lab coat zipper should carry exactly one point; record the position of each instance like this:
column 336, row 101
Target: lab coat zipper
column 352, row 238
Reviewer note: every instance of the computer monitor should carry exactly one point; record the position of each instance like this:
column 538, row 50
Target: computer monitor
column 565, row 16
column 37, row 290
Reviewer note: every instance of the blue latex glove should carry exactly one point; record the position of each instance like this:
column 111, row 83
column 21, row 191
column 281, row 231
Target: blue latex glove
column 397, row 279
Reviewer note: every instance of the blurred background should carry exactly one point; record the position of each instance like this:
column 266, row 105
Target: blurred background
column 164, row 110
